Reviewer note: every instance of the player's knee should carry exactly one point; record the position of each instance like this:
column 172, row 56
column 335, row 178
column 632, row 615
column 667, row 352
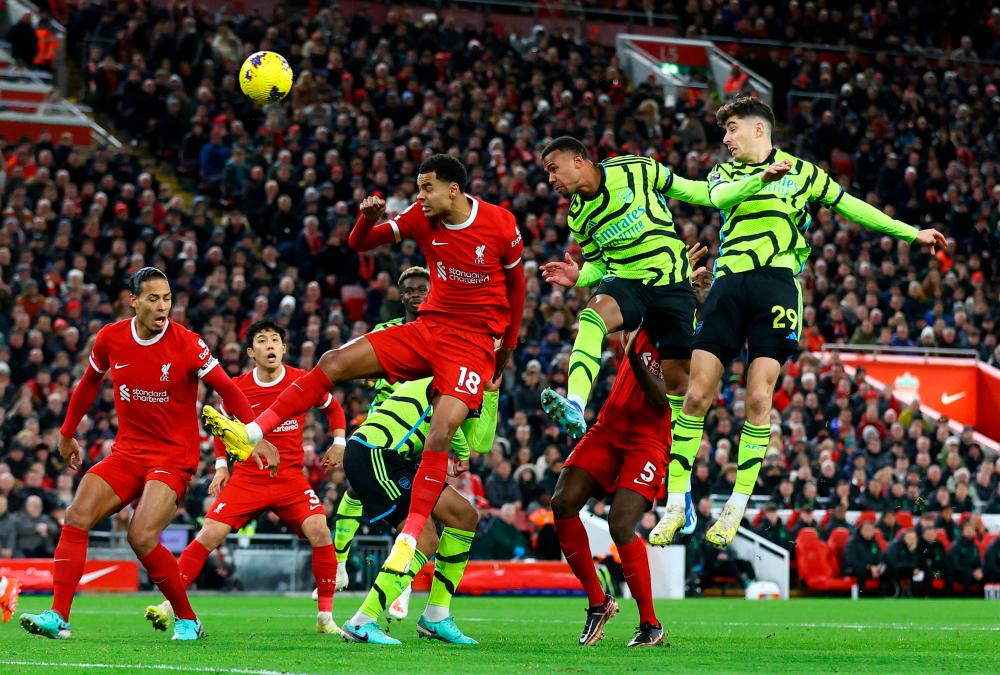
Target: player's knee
column 622, row 529
column 468, row 519
column 317, row 532
column 332, row 364
column 211, row 537
column 758, row 405
column 79, row 517
column 698, row 399
column 563, row 506
column 142, row 541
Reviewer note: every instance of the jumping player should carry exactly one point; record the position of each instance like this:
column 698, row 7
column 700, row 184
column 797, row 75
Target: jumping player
column 631, row 250
column 477, row 295
column 251, row 491
column 414, row 283
column 155, row 367
column 755, row 298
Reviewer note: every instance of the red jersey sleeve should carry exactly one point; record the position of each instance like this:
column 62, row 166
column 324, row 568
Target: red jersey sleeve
column 202, row 360
column 411, row 223
column 99, row 360
column 513, row 245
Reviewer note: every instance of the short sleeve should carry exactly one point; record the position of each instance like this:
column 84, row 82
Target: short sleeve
column 99, row 360
column 512, row 247
column 824, row 189
column 201, row 356
column 409, row 224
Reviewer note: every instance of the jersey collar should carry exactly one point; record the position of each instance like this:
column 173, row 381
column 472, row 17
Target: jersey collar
column 275, row 381
column 770, row 158
column 468, row 221
column 151, row 341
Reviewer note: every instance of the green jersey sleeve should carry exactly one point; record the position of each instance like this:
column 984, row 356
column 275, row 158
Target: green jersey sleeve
column 825, row 190
column 480, row 431
column 859, row 211
column 460, row 444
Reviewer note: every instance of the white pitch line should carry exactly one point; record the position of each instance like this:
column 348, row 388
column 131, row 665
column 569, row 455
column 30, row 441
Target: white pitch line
column 138, row 666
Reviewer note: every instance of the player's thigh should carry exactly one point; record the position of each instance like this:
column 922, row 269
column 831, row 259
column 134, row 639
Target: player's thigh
column 94, row 501
column 400, row 352
column 354, row 360
column 775, row 315
column 575, row 487
column 619, row 303
column 643, row 467
column 454, row 510
column 669, row 321
column 155, row 511
column 381, row 482
column 294, row 501
column 597, row 457
column 721, row 327
column 461, row 363
column 627, row 509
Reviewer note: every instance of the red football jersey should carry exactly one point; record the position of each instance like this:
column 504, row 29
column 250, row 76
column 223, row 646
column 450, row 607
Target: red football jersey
column 287, row 436
column 628, row 411
column 156, row 389
column 468, row 263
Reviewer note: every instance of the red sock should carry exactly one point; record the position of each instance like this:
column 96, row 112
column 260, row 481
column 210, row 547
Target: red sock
column 635, row 564
column 191, row 561
column 295, row 400
column 427, row 486
column 325, row 572
column 163, row 571
column 575, row 546
column 68, row 562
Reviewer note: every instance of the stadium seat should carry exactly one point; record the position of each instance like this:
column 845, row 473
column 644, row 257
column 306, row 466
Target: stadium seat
column 866, row 516
column 943, row 538
column 354, row 300
column 816, row 564
column 880, row 538
column 838, row 542
column 905, row 519
column 792, row 519
column 985, row 541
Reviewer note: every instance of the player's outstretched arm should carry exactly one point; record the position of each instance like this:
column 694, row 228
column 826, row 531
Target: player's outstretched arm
column 690, row 191
column 727, row 194
column 80, row 401
column 654, row 388
column 366, row 234
column 863, row 213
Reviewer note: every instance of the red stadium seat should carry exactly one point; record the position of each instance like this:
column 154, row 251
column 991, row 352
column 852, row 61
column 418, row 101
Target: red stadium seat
column 880, row 538
column 866, row 516
column 816, row 564
column 759, row 517
column 943, row 538
column 792, row 519
column 838, row 542
column 905, row 519
column 985, row 542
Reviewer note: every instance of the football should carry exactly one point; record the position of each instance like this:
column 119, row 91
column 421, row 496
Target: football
column 266, row 77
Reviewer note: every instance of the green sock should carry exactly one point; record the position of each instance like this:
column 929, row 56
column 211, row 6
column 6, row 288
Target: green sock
column 753, row 444
column 348, row 521
column 387, row 587
column 585, row 359
column 685, row 439
column 449, row 565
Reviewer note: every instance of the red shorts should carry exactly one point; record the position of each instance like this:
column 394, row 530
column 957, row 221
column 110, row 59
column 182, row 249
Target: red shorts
column 128, row 476
column 459, row 361
column 290, row 497
column 617, row 464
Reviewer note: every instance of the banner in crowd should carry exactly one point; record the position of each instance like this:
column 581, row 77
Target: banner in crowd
column 964, row 390
column 35, row 574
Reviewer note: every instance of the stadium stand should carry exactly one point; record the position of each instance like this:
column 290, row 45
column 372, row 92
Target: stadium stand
column 908, row 120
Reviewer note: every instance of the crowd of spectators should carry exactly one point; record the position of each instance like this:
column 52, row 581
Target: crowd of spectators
column 278, row 188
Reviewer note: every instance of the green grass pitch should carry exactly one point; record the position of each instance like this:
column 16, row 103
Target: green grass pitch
column 252, row 634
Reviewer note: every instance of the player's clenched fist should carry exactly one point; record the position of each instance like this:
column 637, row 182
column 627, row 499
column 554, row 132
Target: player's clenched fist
column 372, row 207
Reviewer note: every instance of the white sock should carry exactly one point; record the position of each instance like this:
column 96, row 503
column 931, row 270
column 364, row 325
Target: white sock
column 435, row 613
column 577, row 401
column 675, row 499
column 254, row 432
column 324, row 617
column 739, row 500
column 360, row 619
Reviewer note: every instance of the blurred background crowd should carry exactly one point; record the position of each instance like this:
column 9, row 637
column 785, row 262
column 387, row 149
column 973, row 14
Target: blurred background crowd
column 909, row 123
